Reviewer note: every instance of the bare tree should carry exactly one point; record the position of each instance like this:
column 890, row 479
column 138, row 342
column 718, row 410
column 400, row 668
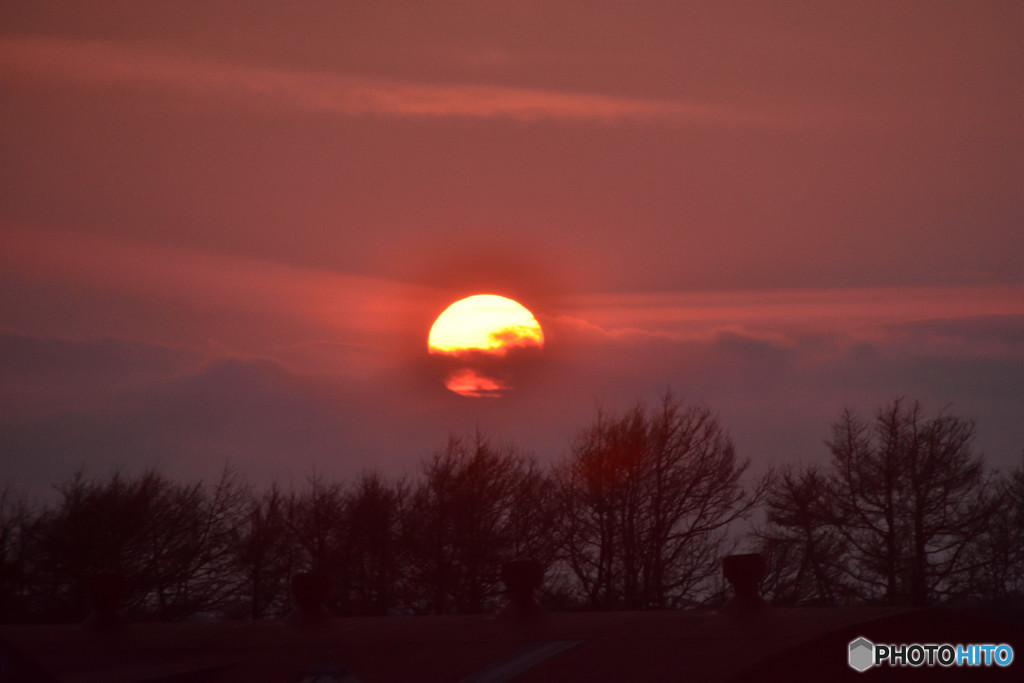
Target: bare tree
column 805, row 551
column 907, row 494
column 465, row 519
column 316, row 523
column 17, row 522
column 1013, row 523
column 199, row 552
column 169, row 540
column 373, row 513
column 996, row 578
column 264, row 554
column 647, row 499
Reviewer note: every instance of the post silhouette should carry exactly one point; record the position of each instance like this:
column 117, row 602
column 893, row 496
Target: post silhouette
column 105, row 591
column 310, row 593
column 745, row 573
column 522, row 580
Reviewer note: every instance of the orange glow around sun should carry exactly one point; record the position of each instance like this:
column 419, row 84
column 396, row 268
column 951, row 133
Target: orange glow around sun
column 475, row 333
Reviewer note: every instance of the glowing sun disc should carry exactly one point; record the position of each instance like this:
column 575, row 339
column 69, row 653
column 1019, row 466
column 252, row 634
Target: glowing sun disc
column 484, row 322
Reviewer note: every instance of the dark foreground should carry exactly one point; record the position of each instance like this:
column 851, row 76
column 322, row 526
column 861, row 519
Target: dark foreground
column 695, row 645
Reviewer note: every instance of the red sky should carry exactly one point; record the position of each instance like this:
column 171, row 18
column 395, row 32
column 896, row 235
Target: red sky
column 227, row 227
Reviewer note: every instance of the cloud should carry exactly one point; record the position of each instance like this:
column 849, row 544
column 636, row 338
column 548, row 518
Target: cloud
column 128, row 65
column 309, row 317
column 356, row 311
column 516, row 335
column 256, row 415
column 42, row 376
column 189, row 416
column 992, row 335
column 858, row 315
column 467, row 382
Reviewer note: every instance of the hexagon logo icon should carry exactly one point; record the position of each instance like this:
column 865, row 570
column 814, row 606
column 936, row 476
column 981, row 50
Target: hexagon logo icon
column 862, row 654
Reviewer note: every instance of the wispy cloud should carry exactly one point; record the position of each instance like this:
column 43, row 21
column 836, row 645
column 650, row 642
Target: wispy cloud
column 128, row 64
column 354, row 306
column 859, row 315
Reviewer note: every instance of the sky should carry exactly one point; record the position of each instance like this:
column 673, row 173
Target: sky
column 227, row 227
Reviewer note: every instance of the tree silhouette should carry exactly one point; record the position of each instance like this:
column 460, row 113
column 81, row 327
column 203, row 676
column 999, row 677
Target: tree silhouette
column 17, row 527
column 1013, row 522
column 465, row 519
column 373, row 513
column 996, row 578
column 316, row 526
column 907, row 495
column 264, row 553
column 170, row 540
column 637, row 516
column 647, row 497
column 805, row 551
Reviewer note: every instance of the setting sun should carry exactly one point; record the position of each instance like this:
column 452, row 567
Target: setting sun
column 474, row 338
column 484, row 322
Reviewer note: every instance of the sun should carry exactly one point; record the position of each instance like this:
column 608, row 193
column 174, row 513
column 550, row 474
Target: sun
column 474, row 336
column 484, row 322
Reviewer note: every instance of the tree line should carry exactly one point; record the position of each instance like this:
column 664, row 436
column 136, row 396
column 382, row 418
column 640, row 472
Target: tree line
column 637, row 516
